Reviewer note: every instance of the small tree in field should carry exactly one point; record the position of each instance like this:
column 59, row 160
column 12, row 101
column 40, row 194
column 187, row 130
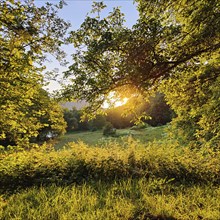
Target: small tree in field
column 109, row 130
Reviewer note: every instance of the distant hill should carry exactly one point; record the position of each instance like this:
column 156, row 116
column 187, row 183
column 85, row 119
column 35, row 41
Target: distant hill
column 78, row 105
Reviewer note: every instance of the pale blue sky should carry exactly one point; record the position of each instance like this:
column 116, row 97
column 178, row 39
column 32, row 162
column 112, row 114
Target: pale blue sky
column 75, row 13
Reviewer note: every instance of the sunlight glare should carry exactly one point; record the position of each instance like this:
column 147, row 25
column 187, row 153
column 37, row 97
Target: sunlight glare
column 114, row 103
column 120, row 103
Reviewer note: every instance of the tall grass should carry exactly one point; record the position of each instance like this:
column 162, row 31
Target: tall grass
column 120, row 180
column 125, row 199
column 81, row 163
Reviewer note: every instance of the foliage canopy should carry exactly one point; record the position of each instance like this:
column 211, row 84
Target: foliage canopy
column 172, row 42
column 28, row 34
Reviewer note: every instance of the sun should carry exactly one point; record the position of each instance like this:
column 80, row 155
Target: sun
column 112, row 102
column 120, row 103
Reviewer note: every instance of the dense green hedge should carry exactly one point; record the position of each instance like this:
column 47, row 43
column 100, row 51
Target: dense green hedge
column 79, row 163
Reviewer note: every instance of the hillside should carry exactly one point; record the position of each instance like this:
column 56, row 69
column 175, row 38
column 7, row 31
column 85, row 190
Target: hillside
column 78, row 105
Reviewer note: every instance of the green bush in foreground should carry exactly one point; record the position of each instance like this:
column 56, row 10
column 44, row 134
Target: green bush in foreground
column 114, row 161
column 125, row 200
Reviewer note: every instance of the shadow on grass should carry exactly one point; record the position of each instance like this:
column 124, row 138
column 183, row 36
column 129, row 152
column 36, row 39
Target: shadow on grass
column 148, row 216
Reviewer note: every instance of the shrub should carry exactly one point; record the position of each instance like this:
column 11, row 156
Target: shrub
column 140, row 126
column 109, row 130
column 129, row 159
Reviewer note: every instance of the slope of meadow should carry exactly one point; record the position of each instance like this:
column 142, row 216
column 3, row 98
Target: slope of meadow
column 144, row 135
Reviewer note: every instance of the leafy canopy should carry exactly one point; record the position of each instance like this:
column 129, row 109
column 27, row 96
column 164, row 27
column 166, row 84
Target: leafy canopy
column 170, row 38
column 28, row 34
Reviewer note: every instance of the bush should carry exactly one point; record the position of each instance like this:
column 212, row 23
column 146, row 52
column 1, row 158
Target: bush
column 109, row 130
column 140, row 126
column 114, row 162
column 93, row 128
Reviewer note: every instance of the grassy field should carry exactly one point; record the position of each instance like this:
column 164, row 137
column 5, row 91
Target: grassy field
column 152, row 199
column 129, row 177
column 96, row 137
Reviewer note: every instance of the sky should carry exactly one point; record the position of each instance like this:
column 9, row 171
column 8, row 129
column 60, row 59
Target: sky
column 75, row 13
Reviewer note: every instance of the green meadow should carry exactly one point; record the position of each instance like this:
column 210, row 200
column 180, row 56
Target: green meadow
column 97, row 138
column 122, row 178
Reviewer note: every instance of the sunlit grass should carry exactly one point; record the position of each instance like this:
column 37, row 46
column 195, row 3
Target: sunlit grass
column 127, row 199
column 96, row 137
column 120, row 180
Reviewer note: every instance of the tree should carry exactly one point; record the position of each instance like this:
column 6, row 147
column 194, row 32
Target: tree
column 119, row 121
column 194, row 94
column 49, row 115
column 156, row 108
column 109, row 130
column 97, row 123
column 44, row 117
column 72, row 118
column 74, row 122
column 28, row 34
column 159, row 111
column 169, row 39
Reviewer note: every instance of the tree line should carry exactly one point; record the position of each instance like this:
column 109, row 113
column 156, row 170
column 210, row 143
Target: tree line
column 157, row 109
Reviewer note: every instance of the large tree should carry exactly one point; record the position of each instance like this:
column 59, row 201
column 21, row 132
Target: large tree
column 27, row 34
column 195, row 97
column 169, row 39
column 48, row 116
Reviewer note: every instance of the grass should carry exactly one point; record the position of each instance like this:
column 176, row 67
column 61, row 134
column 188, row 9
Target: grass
column 130, row 177
column 126, row 200
column 96, row 137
